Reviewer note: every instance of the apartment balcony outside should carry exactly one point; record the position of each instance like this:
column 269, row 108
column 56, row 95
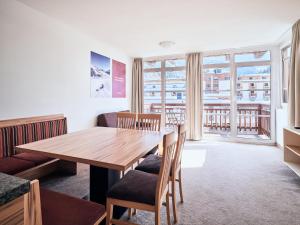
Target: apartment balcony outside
column 253, row 119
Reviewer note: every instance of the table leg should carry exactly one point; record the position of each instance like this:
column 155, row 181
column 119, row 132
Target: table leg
column 101, row 180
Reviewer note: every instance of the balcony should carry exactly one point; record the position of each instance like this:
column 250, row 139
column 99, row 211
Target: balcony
column 252, row 119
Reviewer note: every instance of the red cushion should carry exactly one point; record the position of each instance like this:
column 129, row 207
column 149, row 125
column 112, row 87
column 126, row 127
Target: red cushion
column 13, row 166
column 61, row 209
column 32, row 157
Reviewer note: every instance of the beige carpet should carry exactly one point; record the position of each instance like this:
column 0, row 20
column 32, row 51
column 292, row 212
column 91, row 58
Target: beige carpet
column 224, row 184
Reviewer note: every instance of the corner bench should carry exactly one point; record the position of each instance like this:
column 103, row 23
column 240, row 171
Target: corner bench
column 25, row 130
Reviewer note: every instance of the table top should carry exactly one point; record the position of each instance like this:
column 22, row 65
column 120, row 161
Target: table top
column 112, row 148
column 12, row 187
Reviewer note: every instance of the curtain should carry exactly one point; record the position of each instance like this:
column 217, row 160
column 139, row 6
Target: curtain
column 194, row 96
column 137, row 95
column 294, row 81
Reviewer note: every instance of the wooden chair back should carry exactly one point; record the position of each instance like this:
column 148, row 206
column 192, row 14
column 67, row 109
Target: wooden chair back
column 32, row 205
column 150, row 122
column 169, row 145
column 181, row 137
column 126, row 120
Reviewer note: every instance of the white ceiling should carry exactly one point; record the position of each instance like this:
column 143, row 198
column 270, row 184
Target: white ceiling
column 137, row 26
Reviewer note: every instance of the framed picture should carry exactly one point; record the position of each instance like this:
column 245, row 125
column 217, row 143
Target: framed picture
column 118, row 79
column 101, row 81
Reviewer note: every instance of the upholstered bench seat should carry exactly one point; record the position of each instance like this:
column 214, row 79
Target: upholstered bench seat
column 31, row 157
column 11, row 165
column 136, row 186
column 61, row 209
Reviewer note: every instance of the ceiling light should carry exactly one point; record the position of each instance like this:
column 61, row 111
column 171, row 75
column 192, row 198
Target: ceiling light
column 166, row 44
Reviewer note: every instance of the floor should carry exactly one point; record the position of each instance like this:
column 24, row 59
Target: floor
column 224, row 184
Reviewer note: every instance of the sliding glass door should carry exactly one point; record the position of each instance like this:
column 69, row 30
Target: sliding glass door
column 253, row 88
column 217, row 95
column 237, row 95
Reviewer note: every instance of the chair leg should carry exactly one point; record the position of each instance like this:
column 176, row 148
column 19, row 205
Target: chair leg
column 174, row 200
column 180, row 187
column 129, row 213
column 134, row 212
column 168, row 208
column 157, row 216
column 109, row 212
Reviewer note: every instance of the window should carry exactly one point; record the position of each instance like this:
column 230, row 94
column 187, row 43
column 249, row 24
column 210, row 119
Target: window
column 252, row 85
column 246, row 77
column 253, row 57
column 286, row 67
column 253, row 109
column 164, row 89
column 217, row 94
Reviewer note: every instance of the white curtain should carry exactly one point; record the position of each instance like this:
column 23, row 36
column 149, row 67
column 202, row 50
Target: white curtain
column 137, row 95
column 194, row 95
column 294, row 81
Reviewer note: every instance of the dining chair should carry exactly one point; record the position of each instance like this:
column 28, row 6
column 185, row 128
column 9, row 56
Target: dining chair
column 151, row 122
column 152, row 164
column 144, row 191
column 147, row 121
column 45, row 207
column 126, row 120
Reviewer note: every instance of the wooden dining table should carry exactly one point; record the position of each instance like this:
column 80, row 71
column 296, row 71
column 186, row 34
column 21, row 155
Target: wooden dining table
column 108, row 151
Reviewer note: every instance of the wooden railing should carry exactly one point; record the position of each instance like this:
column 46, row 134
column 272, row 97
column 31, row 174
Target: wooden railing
column 175, row 113
column 251, row 118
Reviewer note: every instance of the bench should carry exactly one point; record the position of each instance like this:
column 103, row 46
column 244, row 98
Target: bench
column 108, row 119
column 25, row 130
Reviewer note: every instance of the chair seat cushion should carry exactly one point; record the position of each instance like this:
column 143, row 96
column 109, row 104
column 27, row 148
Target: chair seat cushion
column 135, row 186
column 11, row 165
column 151, row 164
column 61, row 209
column 153, row 151
column 37, row 159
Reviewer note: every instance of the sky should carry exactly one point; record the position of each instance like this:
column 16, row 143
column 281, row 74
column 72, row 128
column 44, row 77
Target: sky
column 100, row 61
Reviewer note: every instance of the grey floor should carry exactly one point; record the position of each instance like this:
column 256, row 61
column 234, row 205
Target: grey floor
column 224, row 184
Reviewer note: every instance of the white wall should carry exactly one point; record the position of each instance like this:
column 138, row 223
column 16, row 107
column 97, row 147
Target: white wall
column 45, row 68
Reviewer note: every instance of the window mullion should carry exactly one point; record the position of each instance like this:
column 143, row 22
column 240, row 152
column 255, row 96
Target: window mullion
column 163, row 91
column 233, row 107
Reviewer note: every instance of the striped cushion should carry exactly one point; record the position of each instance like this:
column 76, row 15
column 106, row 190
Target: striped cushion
column 5, row 142
column 26, row 133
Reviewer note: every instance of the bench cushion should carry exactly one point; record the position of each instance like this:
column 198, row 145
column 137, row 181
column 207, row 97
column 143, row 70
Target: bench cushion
column 135, row 186
column 13, row 166
column 61, row 209
column 37, row 159
column 108, row 119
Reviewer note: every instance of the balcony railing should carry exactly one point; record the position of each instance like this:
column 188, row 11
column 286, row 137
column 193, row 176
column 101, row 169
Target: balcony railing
column 251, row 118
